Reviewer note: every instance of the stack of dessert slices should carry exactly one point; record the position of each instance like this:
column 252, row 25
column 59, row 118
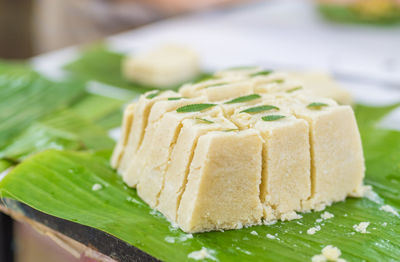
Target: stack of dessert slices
column 238, row 149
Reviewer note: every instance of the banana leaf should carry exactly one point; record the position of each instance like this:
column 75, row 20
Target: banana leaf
column 32, row 119
column 60, row 183
column 100, row 110
column 4, row 164
column 99, row 64
column 27, row 96
column 62, row 130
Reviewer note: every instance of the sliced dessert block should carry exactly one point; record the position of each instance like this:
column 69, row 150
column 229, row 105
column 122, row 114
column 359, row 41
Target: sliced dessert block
column 337, row 163
column 156, row 157
column 125, row 131
column 222, row 191
column 165, row 66
column 137, row 159
column 181, row 157
column 142, row 110
column 335, row 146
column 286, row 180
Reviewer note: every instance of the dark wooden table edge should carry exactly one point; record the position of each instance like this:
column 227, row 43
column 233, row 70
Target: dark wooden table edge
column 98, row 240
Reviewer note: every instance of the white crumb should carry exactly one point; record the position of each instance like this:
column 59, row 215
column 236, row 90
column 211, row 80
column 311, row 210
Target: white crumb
column 269, row 223
column 169, row 239
column 345, row 215
column 329, row 253
column 239, row 226
column 244, row 251
column 389, row 209
column 271, row 236
column 290, row 216
column 133, row 200
column 300, row 232
column 371, row 195
column 174, row 225
column 319, row 220
column 96, row 187
column 203, row 253
column 384, row 224
column 362, row 227
column 185, row 237
column 313, row 230
column 326, row 215
column 254, row 233
column 318, row 258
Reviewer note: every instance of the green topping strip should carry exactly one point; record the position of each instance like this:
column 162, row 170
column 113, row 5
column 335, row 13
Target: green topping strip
column 258, row 109
column 203, row 121
column 279, row 81
column 316, row 105
column 262, row 73
column 243, row 99
column 294, row 89
column 230, row 130
column 215, row 85
column 194, row 108
column 174, row 98
column 152, row 95
column 272, row 117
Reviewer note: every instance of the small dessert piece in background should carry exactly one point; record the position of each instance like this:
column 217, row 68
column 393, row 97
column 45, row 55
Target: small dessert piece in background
column 323, row 85
column 163, row 67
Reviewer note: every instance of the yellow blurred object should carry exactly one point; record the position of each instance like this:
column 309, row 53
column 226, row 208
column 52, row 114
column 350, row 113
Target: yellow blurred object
column 374, row 8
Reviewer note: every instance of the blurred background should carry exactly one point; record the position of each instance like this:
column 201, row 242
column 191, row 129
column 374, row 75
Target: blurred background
column 30, row 27
column 356, row 40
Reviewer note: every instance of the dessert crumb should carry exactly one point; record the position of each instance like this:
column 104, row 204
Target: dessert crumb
column 389, row 209
column 362, row 227
column 329, row 253
column 203, row 253
column 313, row 230
column 254, row 233
column 271, row 236
column 326, row 215
column 96, row 187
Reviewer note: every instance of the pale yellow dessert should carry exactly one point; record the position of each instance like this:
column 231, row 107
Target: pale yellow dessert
column 123, row 141
column 178, row 170
column 222, row 191
column 165, row 66
column 323, row 85
column 245, row 147
column 157, row 155
column 164, row 105
column 286, row 179
column 139, row 124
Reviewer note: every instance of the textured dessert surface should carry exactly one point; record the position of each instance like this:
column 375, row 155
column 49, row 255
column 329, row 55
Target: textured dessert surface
column 244, row 147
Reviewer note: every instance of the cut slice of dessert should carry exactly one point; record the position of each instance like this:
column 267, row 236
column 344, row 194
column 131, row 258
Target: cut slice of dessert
column 123, row 141
column 136, row 165
column 139, row 124
column 286, row 180
column 181, row 158
column 222, row 191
